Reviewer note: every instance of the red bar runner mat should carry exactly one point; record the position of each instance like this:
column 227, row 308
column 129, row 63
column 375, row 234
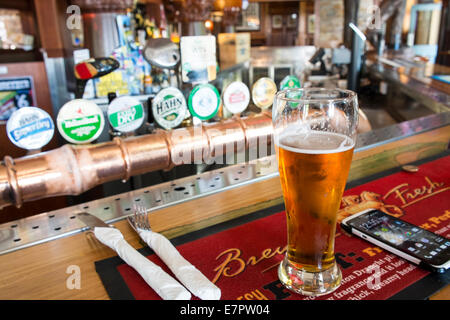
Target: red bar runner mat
column 241, row 256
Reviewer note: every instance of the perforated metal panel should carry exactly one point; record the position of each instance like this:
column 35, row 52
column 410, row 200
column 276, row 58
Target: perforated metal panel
column 59, row 223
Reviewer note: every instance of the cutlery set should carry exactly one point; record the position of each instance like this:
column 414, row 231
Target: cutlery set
column 168, row 288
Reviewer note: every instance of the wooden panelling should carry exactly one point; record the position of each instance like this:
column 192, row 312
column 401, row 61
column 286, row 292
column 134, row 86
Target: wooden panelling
column 267, row 36
column 41, row 89
column 42, row 92
column 444, row 35
column 50, row 16
column 22, row 5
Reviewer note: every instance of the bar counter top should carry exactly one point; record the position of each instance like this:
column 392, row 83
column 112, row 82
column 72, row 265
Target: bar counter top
column 413, row 78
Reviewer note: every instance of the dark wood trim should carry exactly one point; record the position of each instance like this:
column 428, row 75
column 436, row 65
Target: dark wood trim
column 22, row 5
column 262, row 1
column 443, row 57
column 19, row 55
column 50, row 18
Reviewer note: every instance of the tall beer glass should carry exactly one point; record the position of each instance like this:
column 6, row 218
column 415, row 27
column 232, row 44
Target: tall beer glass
column 314, row 133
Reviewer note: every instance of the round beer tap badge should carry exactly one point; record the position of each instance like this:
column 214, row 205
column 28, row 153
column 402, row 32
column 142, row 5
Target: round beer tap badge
column 263, row 92
column 204, row 101
column 126, row 114
column 290, row 82
column 30, row 128
column 236, row 97
column 80, row 121
column 169, row 108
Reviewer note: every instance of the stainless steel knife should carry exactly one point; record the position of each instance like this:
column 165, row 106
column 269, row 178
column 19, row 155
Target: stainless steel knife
column 92, row 221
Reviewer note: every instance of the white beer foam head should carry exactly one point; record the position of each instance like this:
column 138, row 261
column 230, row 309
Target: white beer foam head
column 314, row 142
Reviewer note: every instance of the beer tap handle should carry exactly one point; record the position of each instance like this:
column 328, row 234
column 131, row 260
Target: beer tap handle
column 81, row 85
column 111, row 97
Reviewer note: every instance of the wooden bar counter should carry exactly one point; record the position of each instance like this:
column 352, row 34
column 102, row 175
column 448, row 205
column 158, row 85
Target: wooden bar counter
column 41, row 271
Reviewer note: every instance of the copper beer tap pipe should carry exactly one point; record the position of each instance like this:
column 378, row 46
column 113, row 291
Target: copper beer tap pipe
column 74, row 169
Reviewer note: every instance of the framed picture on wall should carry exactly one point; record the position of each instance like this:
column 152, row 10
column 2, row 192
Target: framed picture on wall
column 311, row 23
column 277, row 21
column 249, row 19
column 292, row 20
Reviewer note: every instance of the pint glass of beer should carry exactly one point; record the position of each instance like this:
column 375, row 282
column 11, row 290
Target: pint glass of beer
column 314, row 134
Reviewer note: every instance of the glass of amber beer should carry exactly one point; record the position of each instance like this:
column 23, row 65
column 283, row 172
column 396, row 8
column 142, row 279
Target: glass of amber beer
column 314, row 134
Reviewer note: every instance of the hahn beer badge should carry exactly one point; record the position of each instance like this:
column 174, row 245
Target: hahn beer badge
column 169, row 108
column 236, row 97
column 80, row 121
column 289, row 82
column 263, row 92
column 204, row 101
column 30, row 128
column 126, row 114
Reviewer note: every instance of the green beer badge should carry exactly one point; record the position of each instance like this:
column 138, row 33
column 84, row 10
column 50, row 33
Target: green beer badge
column 80, row 121
column 289, row 82
column 126, row 114
column 169, row 108
column 204, row 101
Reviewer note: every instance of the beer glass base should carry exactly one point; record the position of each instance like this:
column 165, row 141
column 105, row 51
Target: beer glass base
column 309, row 283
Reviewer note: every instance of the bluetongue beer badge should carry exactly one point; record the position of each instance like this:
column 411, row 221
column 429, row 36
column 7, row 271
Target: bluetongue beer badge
column 263, row 92
column 169, row 108
column 80, row 121
column 30, row 128
column 204, row 101
column 289, row 82
column 126, row 114
column 236, row 97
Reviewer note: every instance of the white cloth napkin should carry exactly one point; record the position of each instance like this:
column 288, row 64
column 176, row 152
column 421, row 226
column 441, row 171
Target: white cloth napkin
column 188, row 275
column 164, row 285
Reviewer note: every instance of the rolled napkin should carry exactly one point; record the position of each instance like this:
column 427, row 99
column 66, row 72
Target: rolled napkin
column 164, row 285
column 188, row 275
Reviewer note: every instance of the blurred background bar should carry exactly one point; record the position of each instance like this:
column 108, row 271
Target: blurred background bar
column 395, row 54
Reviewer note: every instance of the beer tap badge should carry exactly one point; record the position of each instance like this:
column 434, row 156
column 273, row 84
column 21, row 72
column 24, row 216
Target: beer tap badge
column 80, row 121
column 263, row 92
column 236, row 97
column 204, row 101
column 30, row 128
column 126, row 114
column 169, row 108
column 289, row 82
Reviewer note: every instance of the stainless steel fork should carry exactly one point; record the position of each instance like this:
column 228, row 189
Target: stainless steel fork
column 139, row 220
